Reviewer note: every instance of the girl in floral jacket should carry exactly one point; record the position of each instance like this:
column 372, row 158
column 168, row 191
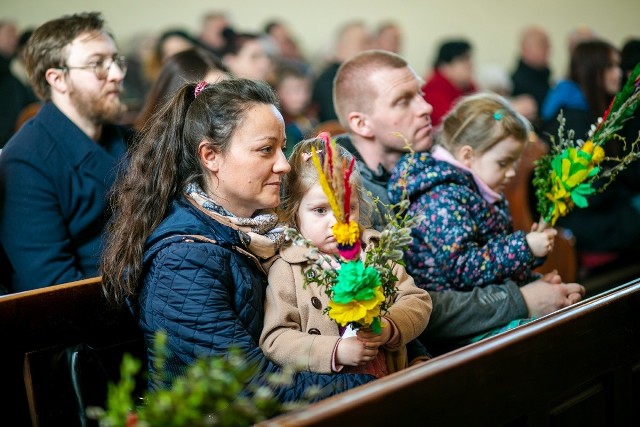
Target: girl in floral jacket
column 467, row 237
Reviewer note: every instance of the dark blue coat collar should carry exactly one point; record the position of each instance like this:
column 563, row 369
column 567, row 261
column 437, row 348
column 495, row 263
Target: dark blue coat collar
column 76, row 146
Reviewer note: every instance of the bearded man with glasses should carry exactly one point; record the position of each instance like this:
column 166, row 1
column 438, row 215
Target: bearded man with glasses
column 57, row 169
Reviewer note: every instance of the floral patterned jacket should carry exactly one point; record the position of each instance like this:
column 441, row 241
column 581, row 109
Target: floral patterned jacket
column 464, row 241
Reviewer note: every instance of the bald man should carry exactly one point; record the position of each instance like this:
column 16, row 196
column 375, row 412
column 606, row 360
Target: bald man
column 377, row 97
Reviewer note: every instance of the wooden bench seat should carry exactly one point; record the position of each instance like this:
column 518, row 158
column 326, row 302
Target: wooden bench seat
column 578, row 366
column 45, row 321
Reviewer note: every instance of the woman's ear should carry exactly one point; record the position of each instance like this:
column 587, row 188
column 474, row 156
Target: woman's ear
column 465, row 155
column 359, row 124
column 209, row 157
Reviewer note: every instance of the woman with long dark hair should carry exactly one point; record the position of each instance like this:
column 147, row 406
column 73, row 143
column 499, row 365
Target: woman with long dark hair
column 594, row 78
column 193, row 222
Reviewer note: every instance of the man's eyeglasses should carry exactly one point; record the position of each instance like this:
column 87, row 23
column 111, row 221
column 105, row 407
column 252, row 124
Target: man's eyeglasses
column 101, row 68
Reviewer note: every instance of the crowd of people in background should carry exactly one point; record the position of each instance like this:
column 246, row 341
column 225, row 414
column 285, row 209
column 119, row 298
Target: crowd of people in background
column 193, row 132
column 273, row 55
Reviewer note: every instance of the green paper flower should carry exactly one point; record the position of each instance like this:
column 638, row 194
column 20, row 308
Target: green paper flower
column 355, row 282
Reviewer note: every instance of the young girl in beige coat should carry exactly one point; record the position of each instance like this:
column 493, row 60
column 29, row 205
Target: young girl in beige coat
column 296, row 330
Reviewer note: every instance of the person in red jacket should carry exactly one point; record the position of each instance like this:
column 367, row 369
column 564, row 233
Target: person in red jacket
column 452, row 78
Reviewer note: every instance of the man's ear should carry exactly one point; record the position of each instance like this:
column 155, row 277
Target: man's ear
column 209, row 157
column 359, row 124
column 56, row 80
column 465, row 155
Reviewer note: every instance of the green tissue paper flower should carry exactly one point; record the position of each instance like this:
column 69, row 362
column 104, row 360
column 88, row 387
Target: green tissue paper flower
column 355, row 283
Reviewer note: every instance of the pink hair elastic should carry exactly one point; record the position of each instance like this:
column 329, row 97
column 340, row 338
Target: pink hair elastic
column 199, row 88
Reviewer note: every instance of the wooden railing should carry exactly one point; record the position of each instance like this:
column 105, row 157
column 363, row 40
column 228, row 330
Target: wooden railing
column 578, row 366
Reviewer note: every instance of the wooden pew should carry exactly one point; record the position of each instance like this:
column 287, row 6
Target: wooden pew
column 37, row 324
column 578, row 366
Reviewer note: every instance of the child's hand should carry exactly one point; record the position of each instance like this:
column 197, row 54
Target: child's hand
column 541, row 242
column 353, row 352
column 370, row 339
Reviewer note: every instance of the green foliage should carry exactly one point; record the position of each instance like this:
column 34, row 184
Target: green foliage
column 394, row 240
column 549, row 179
column 621, row 109
column 212, row 392
column 542, row 182
column 120, row 398
column 383, row 256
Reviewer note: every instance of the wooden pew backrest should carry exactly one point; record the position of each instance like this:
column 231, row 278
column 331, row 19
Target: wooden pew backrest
column 578, row 366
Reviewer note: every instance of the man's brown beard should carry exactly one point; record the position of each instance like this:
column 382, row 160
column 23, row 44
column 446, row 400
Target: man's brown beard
column 99, row 111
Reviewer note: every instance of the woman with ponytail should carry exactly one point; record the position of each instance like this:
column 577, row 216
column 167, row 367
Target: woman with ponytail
column 194, row 221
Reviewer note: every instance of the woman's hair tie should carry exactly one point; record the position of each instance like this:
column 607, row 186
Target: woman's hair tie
column 499, row 114
column 200, row 87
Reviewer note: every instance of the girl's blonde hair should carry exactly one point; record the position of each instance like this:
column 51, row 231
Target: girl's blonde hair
column 303, row 176
column 481, row 121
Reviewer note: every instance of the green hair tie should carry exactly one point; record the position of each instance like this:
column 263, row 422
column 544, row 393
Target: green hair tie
column 499, row 114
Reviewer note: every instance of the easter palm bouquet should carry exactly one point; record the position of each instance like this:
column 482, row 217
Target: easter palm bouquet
column 360, row 287
column 573, row 169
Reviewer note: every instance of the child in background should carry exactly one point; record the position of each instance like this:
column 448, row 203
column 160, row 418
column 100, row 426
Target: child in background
column 296, row 330
column 467, row 237
column 294, row 90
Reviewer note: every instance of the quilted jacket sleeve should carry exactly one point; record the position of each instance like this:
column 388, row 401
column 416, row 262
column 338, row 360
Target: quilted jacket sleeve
column 208, row 299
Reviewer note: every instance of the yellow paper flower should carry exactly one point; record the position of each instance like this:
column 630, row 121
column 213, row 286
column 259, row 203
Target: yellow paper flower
column 598, row 155
column 596, row 151
column 346, row 234
column 560, row 197
column 576, row 178
column 587, row 147
column 571, row 172
column 362, row 312
column 573, row 156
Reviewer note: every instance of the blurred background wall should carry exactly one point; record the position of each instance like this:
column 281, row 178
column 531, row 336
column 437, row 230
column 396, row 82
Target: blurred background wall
column 492, row 26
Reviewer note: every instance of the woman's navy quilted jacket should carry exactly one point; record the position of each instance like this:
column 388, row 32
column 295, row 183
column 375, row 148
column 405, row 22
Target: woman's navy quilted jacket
column 209, row 297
